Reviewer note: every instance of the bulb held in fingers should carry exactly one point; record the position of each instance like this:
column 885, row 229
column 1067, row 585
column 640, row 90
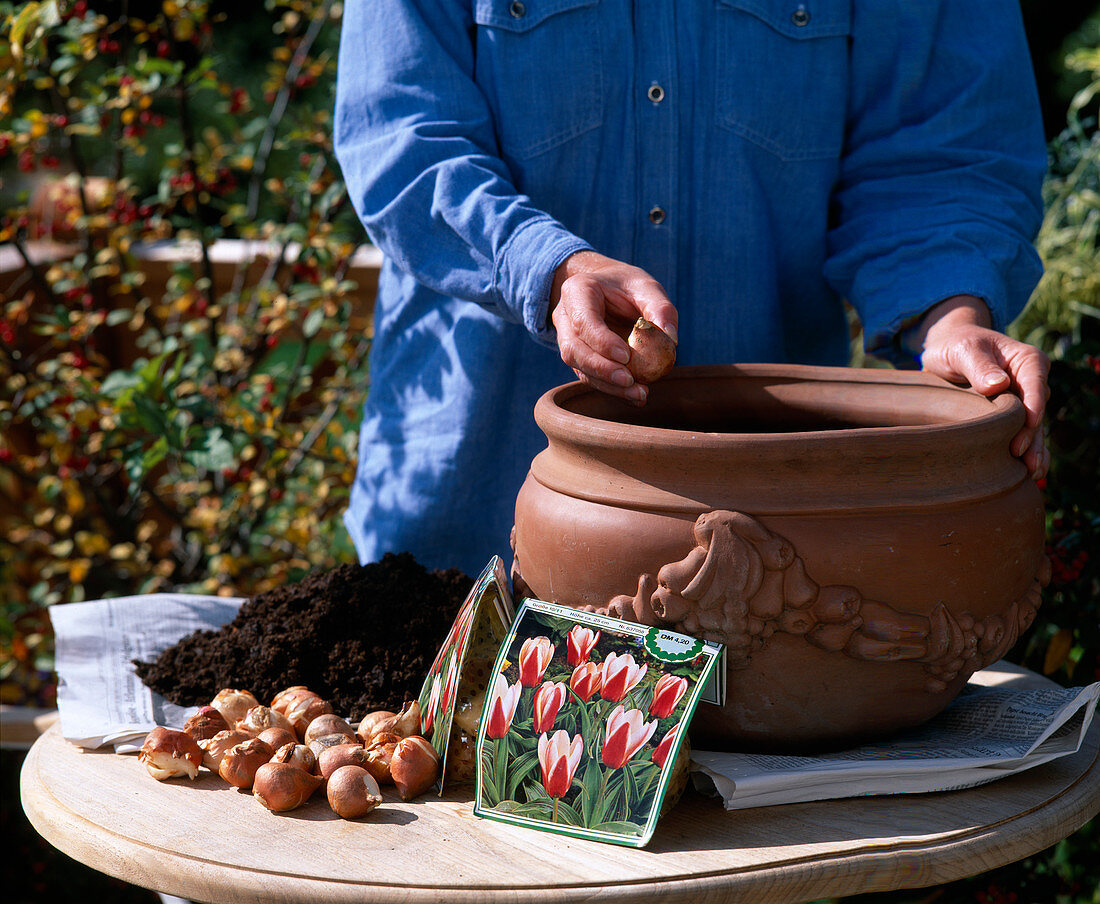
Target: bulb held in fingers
column 652, row 352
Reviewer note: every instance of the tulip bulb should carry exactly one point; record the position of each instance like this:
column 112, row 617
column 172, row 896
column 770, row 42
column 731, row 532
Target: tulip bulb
column 213, row 749
column 379, row 756
column 168, row 753
column 288, row 695
column 326, row 724
column 240, row 763
column 406, row 723
column 283, row 786
column 371, row 722
column 414, row 766
column 233, row 704
column 352, row 792
column 319, row 745
column 262, row 717
column 297, row 755
column 277, row 737
column 304, row 711
column 332, row 758
column 652, row 352
column 206, row 723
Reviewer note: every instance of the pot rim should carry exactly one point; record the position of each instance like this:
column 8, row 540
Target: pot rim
column 550, row 412
column 955, row 461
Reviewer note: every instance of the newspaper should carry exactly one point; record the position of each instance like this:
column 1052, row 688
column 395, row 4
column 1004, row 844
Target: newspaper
column 999, row 725
column 100, row 699
column 993, row 729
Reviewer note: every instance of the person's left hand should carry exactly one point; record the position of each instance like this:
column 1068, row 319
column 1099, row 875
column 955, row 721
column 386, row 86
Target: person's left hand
column 955, row 342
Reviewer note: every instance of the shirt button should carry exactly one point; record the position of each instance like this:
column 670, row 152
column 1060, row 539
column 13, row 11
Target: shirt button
column 801, row 16
column 656, row 93
column 657, row 216
column 517, row 9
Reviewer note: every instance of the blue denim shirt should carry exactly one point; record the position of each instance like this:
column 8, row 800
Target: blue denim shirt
column 762, row 159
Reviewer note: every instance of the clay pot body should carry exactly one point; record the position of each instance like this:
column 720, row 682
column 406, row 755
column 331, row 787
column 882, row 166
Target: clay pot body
column 861, row 540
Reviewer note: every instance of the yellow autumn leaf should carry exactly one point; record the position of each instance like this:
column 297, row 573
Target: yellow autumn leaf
column 1057, row 651
column 78, row 570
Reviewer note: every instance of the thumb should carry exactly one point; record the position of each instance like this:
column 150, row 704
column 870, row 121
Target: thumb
column 973, row 359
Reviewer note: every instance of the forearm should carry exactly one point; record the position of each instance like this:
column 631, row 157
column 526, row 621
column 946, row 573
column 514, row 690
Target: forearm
column 415, row 139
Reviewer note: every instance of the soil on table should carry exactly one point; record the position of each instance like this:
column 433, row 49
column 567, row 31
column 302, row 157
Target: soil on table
column 362, row 637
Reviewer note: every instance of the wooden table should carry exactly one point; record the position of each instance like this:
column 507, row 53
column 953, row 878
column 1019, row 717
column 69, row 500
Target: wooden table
column 208, row 842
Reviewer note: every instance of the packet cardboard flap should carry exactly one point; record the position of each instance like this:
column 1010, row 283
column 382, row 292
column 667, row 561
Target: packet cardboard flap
column 453, row 693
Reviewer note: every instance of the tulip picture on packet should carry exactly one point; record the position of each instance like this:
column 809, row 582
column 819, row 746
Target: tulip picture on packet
column 585, row 721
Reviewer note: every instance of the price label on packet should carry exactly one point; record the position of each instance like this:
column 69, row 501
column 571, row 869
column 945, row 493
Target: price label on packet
column 583, row 728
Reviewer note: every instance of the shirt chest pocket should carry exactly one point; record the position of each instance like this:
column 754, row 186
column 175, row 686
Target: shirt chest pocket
column 538, row 63
column 782, row 74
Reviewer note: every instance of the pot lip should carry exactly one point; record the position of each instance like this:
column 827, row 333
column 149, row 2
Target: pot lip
column 553, row 417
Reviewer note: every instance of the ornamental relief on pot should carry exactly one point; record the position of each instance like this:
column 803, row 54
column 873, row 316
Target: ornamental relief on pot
column 741, row 584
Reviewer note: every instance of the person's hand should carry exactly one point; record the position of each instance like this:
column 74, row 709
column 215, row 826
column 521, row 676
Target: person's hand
column 955, row 342
column 594, row 302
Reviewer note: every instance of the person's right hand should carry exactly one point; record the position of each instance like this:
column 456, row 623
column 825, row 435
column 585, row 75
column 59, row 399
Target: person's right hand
column 594, row 303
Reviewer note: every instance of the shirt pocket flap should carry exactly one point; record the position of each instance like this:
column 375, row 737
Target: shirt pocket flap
column 522, row 15
column 798, row 18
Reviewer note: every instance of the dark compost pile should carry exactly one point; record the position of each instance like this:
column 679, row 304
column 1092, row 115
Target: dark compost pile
column 363, row 637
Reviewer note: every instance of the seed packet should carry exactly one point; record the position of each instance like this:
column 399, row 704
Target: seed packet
column 453, row 693
column 584, row 722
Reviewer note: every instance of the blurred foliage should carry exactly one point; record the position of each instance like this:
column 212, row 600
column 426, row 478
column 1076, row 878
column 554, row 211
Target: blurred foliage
column 192, row 430
column 1063, row 318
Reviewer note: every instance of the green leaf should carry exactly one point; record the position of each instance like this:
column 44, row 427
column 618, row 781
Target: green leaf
column 313, row 322
column 154, row 455
column 535, row 791
column 567, row 814
column 149, row 415
column 117, row 382
column 216, row 453
column 590, row 789
column 522, row 766
column 490, row 797
column 535, row 809
column 630, row 788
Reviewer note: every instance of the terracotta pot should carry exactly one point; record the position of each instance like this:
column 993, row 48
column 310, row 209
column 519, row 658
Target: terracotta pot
column 861, row 540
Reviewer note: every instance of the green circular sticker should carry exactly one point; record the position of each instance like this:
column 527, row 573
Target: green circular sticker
column 670, row 646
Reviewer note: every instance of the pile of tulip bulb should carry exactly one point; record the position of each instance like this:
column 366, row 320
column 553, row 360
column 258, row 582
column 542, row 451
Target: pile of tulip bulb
column 284, row 752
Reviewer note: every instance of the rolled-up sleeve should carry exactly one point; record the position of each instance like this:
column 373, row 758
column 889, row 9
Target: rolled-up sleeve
column 940, row 186
column 415, row 140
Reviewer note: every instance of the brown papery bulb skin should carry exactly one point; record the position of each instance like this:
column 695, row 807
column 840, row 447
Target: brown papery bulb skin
column 288, row 695
column 168, row 753
column 652, row 352
column 233, row 704
column 370, row 723
column 414, row 766
column 352, row 792
column 302, row 712
column 298, row 755
column 213, row 749
column 321, row 744
column 206, row 723
column 260, row 718
column 327, row 724
column 406, row 723
column 283, row 786
column 332, row 758
column 277, row 737
column 378, row 758
column 240, row 763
